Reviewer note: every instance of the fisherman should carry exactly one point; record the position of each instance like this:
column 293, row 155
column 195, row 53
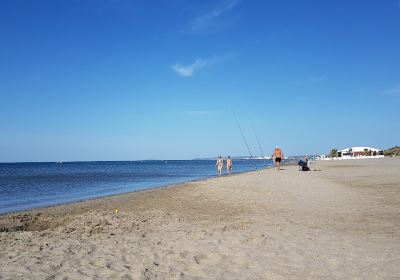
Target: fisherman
column 277, row 157
column 228, row 165
column 219, row 165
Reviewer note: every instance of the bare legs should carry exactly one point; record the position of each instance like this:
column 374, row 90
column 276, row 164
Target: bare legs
column 278, row 164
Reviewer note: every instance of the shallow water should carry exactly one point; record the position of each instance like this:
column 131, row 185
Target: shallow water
column 31, row 185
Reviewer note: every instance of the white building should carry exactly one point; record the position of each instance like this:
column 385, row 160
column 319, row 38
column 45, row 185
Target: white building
column 356, row 153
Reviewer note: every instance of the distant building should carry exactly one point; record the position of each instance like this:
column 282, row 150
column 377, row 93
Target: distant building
column 355, row 153
column 360, row 152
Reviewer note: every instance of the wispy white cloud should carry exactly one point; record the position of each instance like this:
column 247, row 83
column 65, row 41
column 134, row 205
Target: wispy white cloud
column 189, row 70
column 216, row 19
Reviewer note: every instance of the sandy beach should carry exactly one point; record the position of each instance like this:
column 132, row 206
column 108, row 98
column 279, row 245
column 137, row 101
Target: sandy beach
column 340, row 222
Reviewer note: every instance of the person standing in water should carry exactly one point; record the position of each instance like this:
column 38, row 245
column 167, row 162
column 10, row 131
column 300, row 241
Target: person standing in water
column 219, row 165
column 228, row 165
column 277, row 157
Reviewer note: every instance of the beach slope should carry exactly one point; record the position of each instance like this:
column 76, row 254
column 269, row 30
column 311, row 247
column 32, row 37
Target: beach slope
column 342, row 222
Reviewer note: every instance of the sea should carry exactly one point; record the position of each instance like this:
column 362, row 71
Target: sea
column 26, row 186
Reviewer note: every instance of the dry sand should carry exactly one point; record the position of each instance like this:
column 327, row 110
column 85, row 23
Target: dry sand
column 342, row 222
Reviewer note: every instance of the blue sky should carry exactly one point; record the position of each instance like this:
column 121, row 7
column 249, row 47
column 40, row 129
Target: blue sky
column 136, row 79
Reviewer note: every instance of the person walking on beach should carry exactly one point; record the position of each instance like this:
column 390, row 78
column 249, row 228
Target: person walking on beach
column 219, row 165
column 277, row 157
column 228, row 165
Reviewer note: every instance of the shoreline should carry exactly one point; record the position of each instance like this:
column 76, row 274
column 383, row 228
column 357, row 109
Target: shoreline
column 339, row 223
column 128, row 192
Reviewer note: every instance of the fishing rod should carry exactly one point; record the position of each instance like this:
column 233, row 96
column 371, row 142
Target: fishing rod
column 241, row 132
column 258, row 141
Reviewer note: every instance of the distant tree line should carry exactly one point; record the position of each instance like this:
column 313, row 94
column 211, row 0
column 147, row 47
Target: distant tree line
column 394, row 151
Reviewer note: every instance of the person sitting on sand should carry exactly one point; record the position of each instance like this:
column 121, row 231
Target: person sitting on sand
column 228, row 165
column 303, row 164
column 277, row 157
column 219, row 165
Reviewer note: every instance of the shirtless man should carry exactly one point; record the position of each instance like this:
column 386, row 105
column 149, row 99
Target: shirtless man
column 219, row 165
column 277, row 156
column 228, row 165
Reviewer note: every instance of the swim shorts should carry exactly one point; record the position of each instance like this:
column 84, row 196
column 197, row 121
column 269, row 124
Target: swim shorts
column 278, row 159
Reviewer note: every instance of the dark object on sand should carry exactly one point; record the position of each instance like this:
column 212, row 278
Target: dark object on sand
column 303, row 166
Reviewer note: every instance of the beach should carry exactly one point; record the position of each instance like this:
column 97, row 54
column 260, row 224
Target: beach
column 341, row 221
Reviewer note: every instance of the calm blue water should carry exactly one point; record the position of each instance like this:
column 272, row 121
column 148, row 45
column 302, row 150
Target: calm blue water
column 32, row 185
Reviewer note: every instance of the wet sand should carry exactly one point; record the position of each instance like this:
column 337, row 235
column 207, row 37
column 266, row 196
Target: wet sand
column 342, row 222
